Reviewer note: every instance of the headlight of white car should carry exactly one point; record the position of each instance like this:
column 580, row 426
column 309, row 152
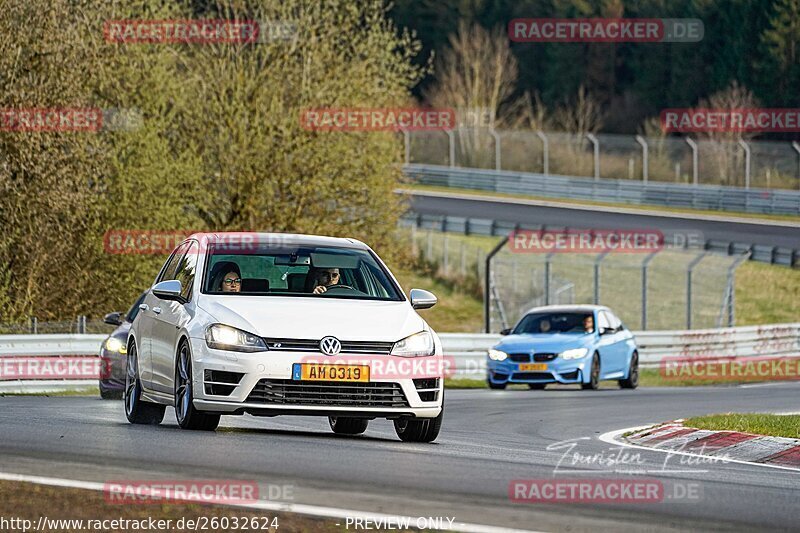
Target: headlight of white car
column 497, row 355
column 224, row 337
column 113, row 344
column 417, row 345
column 575, row 353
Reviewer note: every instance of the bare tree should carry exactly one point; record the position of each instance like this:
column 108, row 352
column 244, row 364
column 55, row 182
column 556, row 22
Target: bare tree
column 580, row 116
column 724, row 145
column 476, row 76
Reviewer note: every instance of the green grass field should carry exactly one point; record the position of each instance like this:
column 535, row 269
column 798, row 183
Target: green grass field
column 760, row 424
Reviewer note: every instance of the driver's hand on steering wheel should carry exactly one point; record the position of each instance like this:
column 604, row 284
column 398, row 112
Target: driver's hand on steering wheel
column 319, row 289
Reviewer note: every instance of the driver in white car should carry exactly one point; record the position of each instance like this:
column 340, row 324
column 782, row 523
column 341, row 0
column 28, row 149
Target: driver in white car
column 324, row 278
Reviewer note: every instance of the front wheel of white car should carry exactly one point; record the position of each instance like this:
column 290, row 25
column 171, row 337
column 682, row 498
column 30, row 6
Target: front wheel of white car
column 419, row 429
column 189, row 417
column 344, row 425
column 137, row 410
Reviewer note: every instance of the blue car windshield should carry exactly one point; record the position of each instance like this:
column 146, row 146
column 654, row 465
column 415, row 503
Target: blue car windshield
column 539, row 323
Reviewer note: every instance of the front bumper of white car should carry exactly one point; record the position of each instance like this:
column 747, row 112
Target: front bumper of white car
column 261, row 383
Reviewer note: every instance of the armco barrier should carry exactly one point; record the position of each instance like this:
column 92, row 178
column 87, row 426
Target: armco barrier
column 468, row 349
column 66, row 345
column 712, row 197
column 781, row 340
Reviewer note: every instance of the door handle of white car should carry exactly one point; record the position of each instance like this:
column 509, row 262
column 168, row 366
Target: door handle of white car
column 157, row 310
column 143, row 307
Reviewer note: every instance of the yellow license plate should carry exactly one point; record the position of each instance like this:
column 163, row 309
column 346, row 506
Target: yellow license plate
column 533, row 367
column 323, row 372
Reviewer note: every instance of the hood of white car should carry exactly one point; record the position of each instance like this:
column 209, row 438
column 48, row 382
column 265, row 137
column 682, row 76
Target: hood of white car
column 314, row 318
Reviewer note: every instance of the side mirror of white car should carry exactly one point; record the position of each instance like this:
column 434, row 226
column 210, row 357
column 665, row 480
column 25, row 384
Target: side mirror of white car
column 169, row 290
column 421, row 299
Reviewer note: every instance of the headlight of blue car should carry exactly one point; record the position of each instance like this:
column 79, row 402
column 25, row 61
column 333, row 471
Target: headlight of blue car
column 497, row 355
column 575, row 353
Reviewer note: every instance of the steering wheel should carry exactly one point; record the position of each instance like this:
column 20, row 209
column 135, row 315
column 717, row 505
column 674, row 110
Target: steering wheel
column 343, row 287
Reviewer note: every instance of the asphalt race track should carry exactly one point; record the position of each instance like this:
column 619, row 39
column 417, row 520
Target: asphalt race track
column 488, row 439
column 773, row 234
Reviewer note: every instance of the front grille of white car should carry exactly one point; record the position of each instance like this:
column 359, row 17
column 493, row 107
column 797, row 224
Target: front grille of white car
column 312, row 345
column 328, row 393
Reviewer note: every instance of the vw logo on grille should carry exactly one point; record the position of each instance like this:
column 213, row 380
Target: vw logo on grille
column 330, row 345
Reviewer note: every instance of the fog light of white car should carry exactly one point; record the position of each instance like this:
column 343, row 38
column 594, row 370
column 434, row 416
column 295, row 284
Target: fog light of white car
column 417, row 345
column 224, row 337
column 497, row 355
column 113, row 344
column 575, row 353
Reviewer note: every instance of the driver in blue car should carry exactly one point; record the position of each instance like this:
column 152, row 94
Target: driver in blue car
column 324, row 278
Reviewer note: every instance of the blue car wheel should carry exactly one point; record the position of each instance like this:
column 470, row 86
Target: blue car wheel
column 632, row 381
column 594, row 375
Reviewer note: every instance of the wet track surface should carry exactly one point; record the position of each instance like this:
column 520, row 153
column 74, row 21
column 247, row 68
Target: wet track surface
column 488, row 439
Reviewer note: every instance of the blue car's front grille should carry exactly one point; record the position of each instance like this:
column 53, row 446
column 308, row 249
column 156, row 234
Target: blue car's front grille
column 544, row 357
column 519, row 357
column 532, row 375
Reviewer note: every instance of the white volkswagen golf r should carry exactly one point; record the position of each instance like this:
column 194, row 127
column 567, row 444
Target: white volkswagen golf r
column 272, row 324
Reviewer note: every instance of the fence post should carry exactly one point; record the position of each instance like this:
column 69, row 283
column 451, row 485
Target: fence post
column 796, row 147
column 645, row 158
column 407, row 143
column 689, row 288
column 496, row 137
column 597, row 277
column 732, row 285
column 430, row 246
column 487, row 284
column 547, row 259
column 645, row 265
column 445, row 253
column 596, row 145
column 34, row 325
column 746, row 149
column 545, row 152
column 452, row 144
column 695, row 159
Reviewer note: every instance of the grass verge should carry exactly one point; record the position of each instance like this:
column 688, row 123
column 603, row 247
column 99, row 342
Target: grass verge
column 759, row 424
column 28, row 501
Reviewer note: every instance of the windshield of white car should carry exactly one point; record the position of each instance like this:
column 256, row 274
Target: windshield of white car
column 552, row 323
column 302, row 271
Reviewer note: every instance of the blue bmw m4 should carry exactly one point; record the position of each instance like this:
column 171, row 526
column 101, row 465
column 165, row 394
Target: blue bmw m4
column 576, row 344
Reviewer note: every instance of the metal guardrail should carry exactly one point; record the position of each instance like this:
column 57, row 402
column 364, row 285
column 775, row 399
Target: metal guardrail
column 711, row 197
column 781, row 340
column 776, row 255
column 467, row 349
column 43, row 345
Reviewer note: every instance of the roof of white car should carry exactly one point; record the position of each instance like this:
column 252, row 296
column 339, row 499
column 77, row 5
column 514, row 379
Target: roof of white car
column 567, row 308
column 280, row 239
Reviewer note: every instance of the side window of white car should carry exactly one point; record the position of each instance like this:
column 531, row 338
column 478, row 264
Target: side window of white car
column 171, row 266
column 186, row 270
